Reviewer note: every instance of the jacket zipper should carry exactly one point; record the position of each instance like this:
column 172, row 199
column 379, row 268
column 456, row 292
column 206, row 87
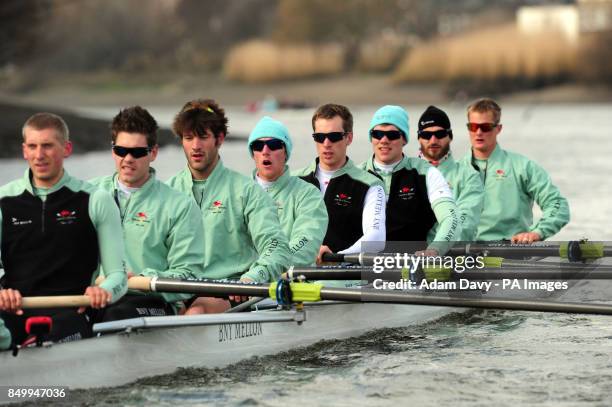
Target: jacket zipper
column 43, row 216
column 485, row 172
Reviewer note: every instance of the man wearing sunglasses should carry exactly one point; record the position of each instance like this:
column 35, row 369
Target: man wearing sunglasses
column 418, row 194
column 512, row 183
column 355, row 200
column 162, row 227
column 243, row 237
column 301, row 210
column 435, row 136
column 55, row 231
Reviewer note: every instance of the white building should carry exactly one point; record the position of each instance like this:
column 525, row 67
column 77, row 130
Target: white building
column 595, row 15
column 586, row 16
column 549, row 18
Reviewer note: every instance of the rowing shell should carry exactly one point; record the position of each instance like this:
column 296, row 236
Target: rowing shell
column 159, row 345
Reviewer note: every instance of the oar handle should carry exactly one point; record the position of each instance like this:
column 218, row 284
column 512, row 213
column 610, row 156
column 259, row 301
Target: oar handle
column 141, row 283
column 58, row 301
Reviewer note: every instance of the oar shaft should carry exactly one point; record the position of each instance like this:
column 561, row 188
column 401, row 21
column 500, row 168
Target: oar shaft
column 536, row 274
column 59, row 301
column 363, row 259
column 549, row 272
column 208, row 287
column 538, row 249
column 574, row 251
column 373, row 295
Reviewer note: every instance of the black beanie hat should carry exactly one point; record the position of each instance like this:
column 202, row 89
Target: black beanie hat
column 435, row 117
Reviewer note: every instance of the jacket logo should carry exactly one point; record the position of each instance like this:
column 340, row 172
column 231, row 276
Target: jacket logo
column 500, row 174
column 217, row 207
column 17, row 222
column 406, row 193
column 141, row 219
column 342, row 199
column 65, row 217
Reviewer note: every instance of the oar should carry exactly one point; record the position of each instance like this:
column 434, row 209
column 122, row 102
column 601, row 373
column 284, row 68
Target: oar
column 59, row 301
column 574, row 251
column 494, row 268
column 362, row 259
column 304, row 292
column 484, row 274
column 548, row 272
column 502, row 304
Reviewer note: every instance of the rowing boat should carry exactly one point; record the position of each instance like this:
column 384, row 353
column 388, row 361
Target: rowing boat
column 151, row 346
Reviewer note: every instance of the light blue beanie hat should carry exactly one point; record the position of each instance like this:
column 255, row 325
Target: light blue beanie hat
column 389, row 114
column 268, row 127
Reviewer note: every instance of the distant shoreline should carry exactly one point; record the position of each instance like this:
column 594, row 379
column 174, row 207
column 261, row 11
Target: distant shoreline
column 89, row 134
column 350, row 89
column 86, row 134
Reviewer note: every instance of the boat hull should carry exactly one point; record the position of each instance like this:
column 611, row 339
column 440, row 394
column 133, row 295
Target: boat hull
column 117, row 359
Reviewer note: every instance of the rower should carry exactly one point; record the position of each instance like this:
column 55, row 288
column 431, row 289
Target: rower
column 435, row 136
column 418, row 195
column 55, row 232
column 512, row 183
column 243, row 237
column 301, row 210
column 162, row 227
column 355, row 200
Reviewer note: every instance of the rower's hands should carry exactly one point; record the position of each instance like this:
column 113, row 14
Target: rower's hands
column 322, row 249
column 10, row 301
column 241, row 298
column 98, row 296
column 526, row 238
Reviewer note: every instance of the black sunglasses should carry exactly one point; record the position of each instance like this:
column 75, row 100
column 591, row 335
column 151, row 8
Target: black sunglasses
column 429, row 134
column 391, row 134
column 273, row 144
column 136, row 152
column 334, row 136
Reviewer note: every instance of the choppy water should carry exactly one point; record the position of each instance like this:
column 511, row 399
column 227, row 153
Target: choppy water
column 479, row 358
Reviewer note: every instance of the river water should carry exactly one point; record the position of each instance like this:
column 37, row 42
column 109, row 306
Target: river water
column 478, row 358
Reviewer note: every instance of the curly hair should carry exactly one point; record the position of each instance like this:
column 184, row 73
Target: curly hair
column 198, row 116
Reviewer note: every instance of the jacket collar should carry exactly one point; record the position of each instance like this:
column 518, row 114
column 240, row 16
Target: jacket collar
column 404, row 163
column 348, row 166
column 280, row 181
column 65, row 179
column 143, row 189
